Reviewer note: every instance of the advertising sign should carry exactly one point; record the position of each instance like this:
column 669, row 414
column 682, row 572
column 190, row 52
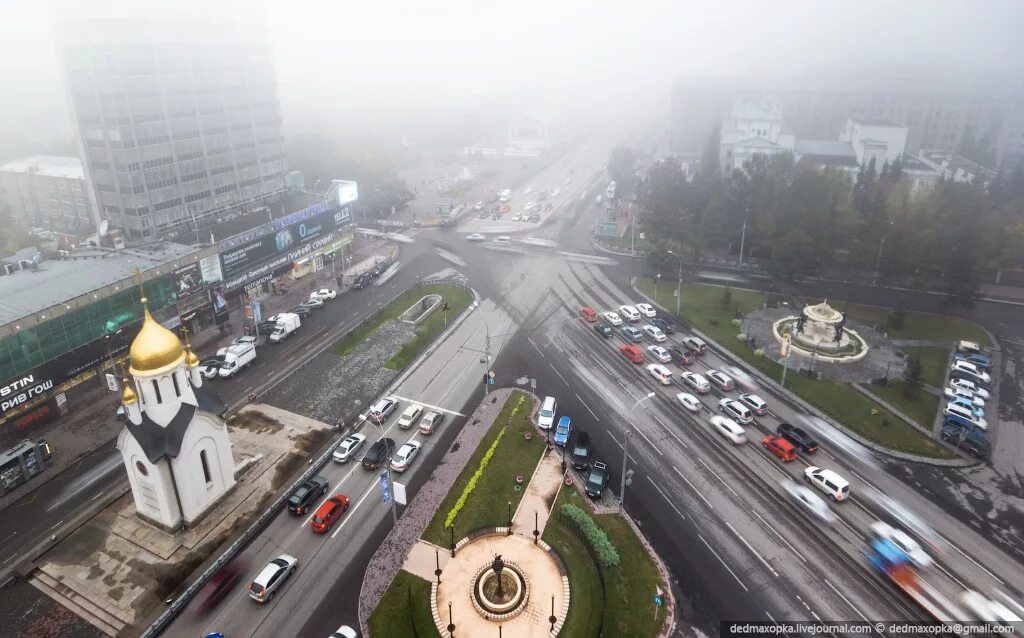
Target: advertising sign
column 210, row 269
column 239, row 259
column 385, row 492
column 348, row 192
column 220, row 305
column 607, row 229
column 188, row 280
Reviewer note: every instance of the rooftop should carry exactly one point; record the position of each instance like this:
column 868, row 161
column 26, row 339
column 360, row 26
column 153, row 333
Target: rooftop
column 874, row 121
column 828, row 151
column 46, row 165
column 55, row 281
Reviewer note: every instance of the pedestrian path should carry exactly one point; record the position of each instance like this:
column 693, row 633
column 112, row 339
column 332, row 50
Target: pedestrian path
column 540, row 495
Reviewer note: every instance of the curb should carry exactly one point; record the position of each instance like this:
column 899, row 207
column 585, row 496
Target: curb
column 891, row 408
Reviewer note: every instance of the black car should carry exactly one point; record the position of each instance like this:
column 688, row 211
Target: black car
column 362, row 281
column 603, row 329
column 581, row 451
column 307, row 494
column 682, row 356
column 597, row 480
column 797, row 437
column 302, row 311
column 667, row 325
column 378, row 453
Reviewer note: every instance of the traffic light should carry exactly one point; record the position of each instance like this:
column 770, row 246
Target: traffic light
column 629, row 477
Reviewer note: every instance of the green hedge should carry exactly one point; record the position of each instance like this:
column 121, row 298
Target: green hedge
column 603, row 548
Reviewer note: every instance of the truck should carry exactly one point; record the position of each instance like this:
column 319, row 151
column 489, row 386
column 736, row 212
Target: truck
column 287, row 323
column 969, row 439
column 235, row 358
column 893, row 563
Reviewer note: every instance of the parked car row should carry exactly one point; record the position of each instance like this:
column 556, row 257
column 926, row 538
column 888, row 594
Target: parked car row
column 577, row 441
column 964, row 413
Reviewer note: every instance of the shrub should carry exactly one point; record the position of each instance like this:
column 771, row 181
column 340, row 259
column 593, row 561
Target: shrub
column 726, row 298
column 737, row 322
column 471, row 485
column 606, row 553
column 759, row 352
column 741, row 337
column 897, row 318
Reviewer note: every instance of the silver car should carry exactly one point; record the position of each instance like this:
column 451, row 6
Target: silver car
column 272, row 578
column 809, row 500
column 348, row 447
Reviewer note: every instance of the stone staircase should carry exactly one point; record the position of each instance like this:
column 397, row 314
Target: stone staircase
column 97, row 616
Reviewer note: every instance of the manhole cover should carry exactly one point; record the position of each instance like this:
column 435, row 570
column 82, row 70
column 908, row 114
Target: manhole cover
column 523, row 380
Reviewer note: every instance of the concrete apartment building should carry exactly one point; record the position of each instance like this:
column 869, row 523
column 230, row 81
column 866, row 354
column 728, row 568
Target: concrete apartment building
column 175, row 110
column 46, row 191
column 936, row 112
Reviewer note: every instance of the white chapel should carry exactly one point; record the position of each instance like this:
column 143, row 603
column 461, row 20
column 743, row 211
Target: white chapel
column 177, row 454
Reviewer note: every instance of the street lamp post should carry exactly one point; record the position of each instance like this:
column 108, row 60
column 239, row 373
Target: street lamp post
column 679, row 283
column 110, row 356
column 878, row 260
column 625, row 450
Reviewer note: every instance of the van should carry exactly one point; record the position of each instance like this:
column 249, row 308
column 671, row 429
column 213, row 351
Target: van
column 546, row 417
column 235, row 358
column 287, row 324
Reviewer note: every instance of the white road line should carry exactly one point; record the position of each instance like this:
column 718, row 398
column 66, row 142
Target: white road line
column 348, row 515
column 816, row 616
column 334, row 490
column 587, row 407
column 57, row 524
column 247, row 390
column 665, row 496
column 724, row 564
column 432, row 407
column 12, row 557
column 535, row 346
column 775, row 621
column 683, row 476
column 559, row 375
column 867, row 482
column 976, row 563
column 727, row 486
column 604, row 367
column 752, row 550
column 673, row 434
column 781, row 537
column 847, row 601
column 656, row 448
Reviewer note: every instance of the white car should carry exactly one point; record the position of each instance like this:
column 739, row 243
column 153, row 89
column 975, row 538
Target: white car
column 612, row 318
column 661, row 373
column 478, row 206
column 647, row 310
column 828, row 482
column 313, row 303
column 516, row 217
column 756, row 404
column 729, row 429
column 970, row 368
column 810, row 501
column 654, row 333
column 409, row 417
column 402, row 459
column 344, row 632
column 688, row 401
column 629, row 313
column 384, row 407
column 960, row 411
column 736, row 411
column 904, row 542
column 210, row 368
column 476, row 237
column 988, row 610
column 348, row 447
column 659, row 354
column 969, row 385
column 721, row 379
column 695, row 381
column 963, row 393
column 323, row 294
column 247, row 340
column 273, row 576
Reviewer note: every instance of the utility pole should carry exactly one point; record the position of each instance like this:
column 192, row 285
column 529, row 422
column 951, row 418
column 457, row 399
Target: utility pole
column 785, row 365
column 878, row 262
column 743, row 237
column 625, row 451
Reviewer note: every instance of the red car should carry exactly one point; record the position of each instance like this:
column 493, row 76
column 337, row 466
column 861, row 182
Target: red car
column 328, row 513
column 632, row 353
column 588, row 313
column 221, row 583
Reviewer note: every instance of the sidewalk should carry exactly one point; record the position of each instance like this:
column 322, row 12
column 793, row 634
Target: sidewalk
column 539, row 496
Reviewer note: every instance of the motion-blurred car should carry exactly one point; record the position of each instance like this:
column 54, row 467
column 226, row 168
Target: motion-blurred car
column 688, row 401
column 723, row 381
column 904, row 542
column 809, row 501
column 221, row 584
column 729, row 429
column 476, row 237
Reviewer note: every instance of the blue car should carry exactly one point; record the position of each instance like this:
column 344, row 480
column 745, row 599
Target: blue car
column 562, row 431
column 979, row 360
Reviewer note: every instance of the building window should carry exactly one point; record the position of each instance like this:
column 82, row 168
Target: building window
column 206, row 467
column 156, row 390
column 177, row 390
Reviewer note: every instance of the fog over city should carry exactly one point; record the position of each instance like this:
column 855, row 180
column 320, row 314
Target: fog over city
column 366, row 64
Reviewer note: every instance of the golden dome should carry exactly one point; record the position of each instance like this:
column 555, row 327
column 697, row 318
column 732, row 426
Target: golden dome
column 128, row 397
column 155, row 349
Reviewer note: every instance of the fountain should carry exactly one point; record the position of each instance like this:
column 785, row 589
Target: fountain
column 820, row 332
column 500, row 590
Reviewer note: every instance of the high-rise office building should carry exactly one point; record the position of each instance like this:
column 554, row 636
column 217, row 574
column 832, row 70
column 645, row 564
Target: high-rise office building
column 175, row 110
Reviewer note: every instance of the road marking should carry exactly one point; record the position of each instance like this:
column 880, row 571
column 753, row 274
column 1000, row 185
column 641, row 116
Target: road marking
column 724, row 564
column 57, row 524
column 982, row 567
column 536, row 346
column 781, row 537
column 247, row 390
column 672, row 434
column 559, row 375
column 670, row 503
column 351, row 510
column 775, row 621
column 631, row 458
column 752, row 550
column 649, row 441
column 727, row 486
column 845, row 599
column 8, row 537
column 683, row 476
column 587, row 407
column 432, row 407
column 12, row 557
column 816, row 617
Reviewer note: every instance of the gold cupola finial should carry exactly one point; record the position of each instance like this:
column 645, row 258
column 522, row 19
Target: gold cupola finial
column 155, row 349
column 128, row 396
column 191, row 360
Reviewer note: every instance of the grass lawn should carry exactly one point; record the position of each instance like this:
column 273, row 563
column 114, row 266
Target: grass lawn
column 922, row 407
column 701, row 305
column 347, row 344
column 488, row 504
column 934, row 362
column 404, row 610
column 458, row 300
column 920, row 325
column 630, row 587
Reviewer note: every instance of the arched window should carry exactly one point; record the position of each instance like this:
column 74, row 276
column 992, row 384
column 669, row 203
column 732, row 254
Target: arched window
column 174, row 379
column 156, row 389
column 206, row 467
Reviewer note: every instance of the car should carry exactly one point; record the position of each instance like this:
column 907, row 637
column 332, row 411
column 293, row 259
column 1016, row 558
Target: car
column 952, row 392
column 348, row 447
column 904, row 543
column 729, row 429
column 647, row 310
column 971, row 369
column 834, row 486
column 682, row 356
column 756, row 404
column 629, row 313
column 695, row 381
column 665, row 324
column 270, row 580
column 597, row 480
column 307, row 494
column 802, row 440
column 966, row 437
column 990, row 611
column 210, row 368
column 384, row 407
column 696, row 344
column 410, row 415
column 780, row 447
column 603, row 329
column 979, row 360
column 431, row 421
column 632, row 334
column 612, row 318
column 362, row 281
column 563, row 430
column 969, row 347
column 403, row 458
column 502, row 240
column 476, row 237
column 723, row 381
column 659, row 354
column 516, row 217
column 736, row 411
column 588, row 314
column 632, row 353
column 247, row 340
column 266, row 327
column 222, row 582
column 378, row 453
column 965, row 415
column 478, row 206
column 810, row 501
column 323, row 294
column 546, row 416
column 968, row 404
column 312, row 304
column 302, row 311
column 973, row 377
column 654, row 333
column 328, row 513
column 534, row 218
column 688, row 401
column 661, row 373
column 581, row 451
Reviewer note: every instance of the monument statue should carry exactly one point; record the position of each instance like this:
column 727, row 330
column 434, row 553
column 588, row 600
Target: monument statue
column 497, row 566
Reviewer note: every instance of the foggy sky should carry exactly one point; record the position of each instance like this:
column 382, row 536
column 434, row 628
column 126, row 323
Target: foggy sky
column 356, row 57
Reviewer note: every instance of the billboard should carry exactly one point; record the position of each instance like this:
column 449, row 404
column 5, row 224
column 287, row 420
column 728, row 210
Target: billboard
column 220, row 305
column 282, row 239
column 188, row 280
column 210, row 268
column 348, row 192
